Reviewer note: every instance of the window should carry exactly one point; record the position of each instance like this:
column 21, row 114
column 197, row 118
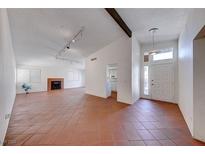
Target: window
column 163, row 56
column 23, row 75
column 28, row 75
column 146, row 80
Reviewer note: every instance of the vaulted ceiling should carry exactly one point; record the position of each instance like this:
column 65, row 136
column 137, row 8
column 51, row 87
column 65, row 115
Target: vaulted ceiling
column 170, row 22
column 39, row 34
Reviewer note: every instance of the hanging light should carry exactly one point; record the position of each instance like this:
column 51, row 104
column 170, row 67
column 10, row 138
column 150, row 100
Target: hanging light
column 153, row 31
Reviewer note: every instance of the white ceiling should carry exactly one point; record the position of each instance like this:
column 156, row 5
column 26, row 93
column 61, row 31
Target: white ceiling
column 169, row 21
column 38, row 34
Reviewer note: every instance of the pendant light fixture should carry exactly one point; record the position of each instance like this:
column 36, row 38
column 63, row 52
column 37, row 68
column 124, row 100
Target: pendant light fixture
column 153, row 31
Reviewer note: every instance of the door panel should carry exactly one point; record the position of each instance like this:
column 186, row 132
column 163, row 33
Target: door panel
column 162, row 82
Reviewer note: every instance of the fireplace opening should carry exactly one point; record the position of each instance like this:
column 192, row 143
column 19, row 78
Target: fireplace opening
column 55, row 85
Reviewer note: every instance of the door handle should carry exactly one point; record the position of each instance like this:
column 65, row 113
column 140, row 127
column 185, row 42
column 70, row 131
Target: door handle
column 152, row 84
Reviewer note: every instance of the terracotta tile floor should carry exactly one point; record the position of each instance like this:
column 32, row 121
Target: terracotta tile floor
column 70, row 117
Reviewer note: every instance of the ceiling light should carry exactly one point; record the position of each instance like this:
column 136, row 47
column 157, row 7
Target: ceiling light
column 153, row 31
column 66, row 49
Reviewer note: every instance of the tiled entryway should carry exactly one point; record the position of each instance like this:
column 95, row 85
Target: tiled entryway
column 70, row 117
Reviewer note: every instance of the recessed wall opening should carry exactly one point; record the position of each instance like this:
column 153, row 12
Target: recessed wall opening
column 111, row 80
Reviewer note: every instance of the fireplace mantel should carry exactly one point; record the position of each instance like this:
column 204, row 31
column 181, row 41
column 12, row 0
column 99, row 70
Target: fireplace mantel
column 55, row 79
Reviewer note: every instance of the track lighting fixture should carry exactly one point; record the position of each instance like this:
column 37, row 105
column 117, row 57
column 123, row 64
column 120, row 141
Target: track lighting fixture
column 77, row 37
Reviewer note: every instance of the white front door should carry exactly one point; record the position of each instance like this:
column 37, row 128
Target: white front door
column 162, row 82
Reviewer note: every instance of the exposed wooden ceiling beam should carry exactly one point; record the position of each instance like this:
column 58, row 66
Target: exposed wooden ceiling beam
column 119, row 21
column 201, row 34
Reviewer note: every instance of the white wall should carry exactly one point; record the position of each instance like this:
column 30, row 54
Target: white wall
column 195, row 22
column 7, row 73
column 135, row 68
column 161, row 45
column 199, row 88
column 120, row 53
column 73, row 77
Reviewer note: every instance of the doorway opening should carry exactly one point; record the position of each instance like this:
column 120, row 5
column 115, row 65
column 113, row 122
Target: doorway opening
column 111, row 81
column 199, row 85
